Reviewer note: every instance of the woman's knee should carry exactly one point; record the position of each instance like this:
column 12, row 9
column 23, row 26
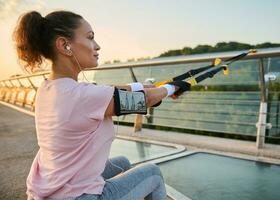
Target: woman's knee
column 153, row 169
column 124, row 162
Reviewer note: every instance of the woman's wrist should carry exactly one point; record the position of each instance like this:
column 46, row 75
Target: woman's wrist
column 136, row 86
column 170, row 89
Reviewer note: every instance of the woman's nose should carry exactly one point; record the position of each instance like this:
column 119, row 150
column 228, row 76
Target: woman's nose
column 96, row 46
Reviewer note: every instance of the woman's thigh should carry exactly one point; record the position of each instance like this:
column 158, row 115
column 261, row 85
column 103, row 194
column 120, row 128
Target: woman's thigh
column 135, row 184
column 142, row 181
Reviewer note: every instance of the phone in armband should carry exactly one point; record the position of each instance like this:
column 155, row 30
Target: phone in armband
column 127, row 102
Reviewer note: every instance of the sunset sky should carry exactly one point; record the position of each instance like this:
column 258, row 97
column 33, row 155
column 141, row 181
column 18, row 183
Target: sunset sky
column 131, row 28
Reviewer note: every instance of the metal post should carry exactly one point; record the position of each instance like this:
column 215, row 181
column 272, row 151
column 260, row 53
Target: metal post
column 261, row 125
column 138, row 123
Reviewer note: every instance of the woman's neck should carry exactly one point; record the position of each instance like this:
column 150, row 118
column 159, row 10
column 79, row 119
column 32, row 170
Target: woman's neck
column 61, row 71
column 54, row 75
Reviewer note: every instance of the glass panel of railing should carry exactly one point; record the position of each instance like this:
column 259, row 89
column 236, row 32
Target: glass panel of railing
column 2, row 84
column 15, row 83
column 37, row 80
column 20, row 97
column 113, row 76
column 30, row 97
column 25, row 82
column 227, row 104
column 242, row 73
column 89, row 76
column 202, row 111
column 272, row 77
column 8, row 83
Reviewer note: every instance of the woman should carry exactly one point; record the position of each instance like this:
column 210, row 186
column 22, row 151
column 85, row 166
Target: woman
column 74, row 120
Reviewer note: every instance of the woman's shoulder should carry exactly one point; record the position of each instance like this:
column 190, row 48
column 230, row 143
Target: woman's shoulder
column 68, row 85
column 92, row 89
column 61, row 84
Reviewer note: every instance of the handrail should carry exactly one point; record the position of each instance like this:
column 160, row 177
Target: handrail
column 24, row 76
column 261, row 53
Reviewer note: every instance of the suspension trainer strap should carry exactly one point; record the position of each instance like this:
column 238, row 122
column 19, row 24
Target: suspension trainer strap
column 216, row 62
column 240, row 56
column 191, row 73
column 206, row 75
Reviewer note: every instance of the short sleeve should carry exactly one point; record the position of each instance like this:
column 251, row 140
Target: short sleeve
column 95, row 99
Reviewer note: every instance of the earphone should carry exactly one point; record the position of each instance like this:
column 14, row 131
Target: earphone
column 68, row 48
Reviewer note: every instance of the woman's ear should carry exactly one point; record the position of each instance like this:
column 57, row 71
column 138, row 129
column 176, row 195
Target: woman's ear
column 63, row 47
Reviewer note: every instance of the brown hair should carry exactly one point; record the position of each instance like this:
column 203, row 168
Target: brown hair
column 34, row 35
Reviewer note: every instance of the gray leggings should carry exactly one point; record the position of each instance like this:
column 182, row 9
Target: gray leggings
column 141, row 182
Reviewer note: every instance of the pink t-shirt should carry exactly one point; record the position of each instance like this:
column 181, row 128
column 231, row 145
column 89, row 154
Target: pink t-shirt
column 74, row 139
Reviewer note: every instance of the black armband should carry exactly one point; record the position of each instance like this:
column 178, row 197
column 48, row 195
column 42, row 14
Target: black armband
column 157, row 104
column 129, row 102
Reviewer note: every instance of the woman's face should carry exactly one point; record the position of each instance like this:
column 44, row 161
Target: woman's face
column 84, row 47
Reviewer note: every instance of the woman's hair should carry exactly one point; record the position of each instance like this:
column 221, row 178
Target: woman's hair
column 35, row 35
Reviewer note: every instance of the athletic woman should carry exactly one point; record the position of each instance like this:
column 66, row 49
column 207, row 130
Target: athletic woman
column 73, row 119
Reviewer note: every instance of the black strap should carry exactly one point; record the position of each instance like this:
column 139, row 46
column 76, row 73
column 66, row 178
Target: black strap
column 209, row 74
column 235, row 58
column 191, row 73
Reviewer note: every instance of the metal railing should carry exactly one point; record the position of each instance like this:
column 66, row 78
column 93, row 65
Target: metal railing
column 231, row 105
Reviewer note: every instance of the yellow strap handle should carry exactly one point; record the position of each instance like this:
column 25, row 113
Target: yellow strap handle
column 157, row 84
column 192, row 82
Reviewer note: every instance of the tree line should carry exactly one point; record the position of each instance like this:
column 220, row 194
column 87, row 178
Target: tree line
column 219, row 47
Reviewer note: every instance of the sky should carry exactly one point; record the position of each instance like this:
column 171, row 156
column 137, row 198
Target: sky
column 128, row 29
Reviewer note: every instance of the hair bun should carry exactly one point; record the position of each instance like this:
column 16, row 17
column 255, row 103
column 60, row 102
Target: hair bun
column 27, row 35
column 35, row 35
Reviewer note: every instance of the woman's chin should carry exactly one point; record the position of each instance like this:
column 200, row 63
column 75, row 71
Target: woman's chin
column 92, row 66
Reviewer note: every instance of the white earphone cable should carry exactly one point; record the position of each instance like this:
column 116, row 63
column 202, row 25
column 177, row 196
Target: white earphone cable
column 84, row 77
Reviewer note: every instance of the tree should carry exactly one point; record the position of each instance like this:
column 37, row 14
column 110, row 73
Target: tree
column 267, row 45
column 171, row 53
column 186, row 51
column 202, row 49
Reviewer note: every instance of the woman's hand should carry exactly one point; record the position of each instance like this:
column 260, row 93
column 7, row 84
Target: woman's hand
column 173, row 96
column 180, row 88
